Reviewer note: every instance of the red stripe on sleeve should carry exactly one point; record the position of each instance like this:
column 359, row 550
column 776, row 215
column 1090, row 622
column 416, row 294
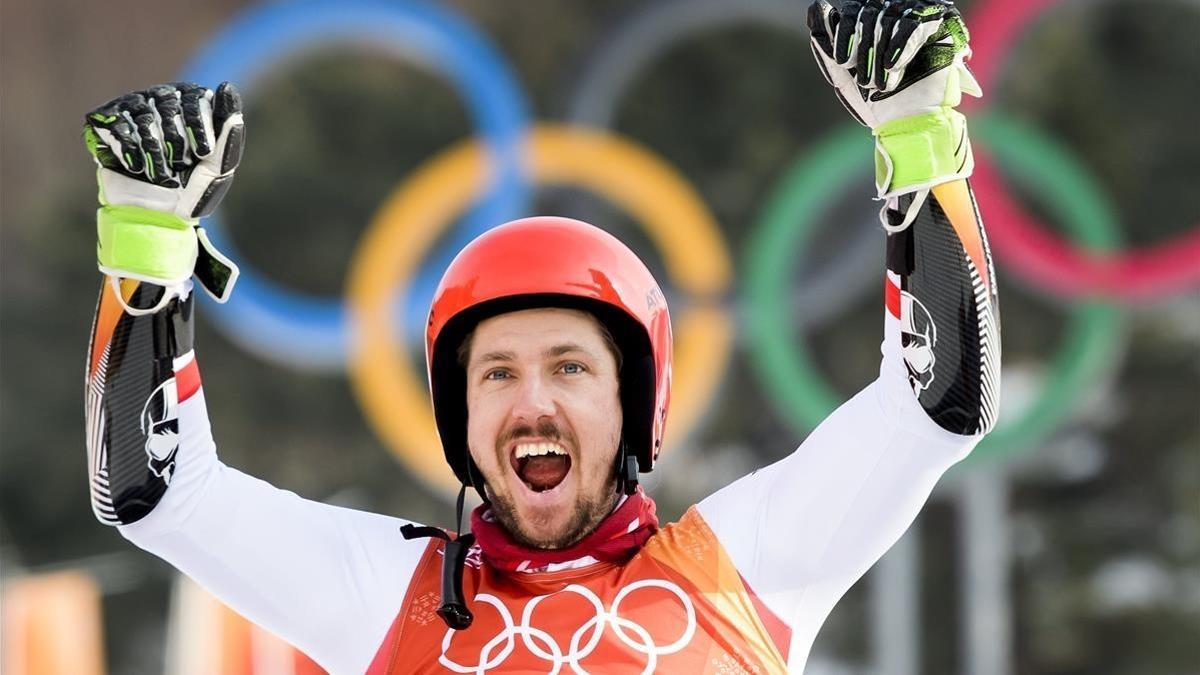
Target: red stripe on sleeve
column 187, row 380
column 891, row 294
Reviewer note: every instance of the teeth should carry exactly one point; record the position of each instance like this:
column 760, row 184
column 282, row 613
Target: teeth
column 538, row 449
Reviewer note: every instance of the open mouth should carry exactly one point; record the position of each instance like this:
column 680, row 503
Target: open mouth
column 541, row 466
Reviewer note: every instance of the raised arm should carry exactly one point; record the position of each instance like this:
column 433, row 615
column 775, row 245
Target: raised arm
column 327, row 579
column 802, row 530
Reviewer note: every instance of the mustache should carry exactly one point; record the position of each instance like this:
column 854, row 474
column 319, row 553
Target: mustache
column 544, row 428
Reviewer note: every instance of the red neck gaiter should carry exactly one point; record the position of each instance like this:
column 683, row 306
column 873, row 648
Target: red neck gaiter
column 617, row 538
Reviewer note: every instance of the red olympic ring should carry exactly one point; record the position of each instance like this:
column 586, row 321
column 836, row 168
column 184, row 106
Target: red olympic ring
column 1025, row 242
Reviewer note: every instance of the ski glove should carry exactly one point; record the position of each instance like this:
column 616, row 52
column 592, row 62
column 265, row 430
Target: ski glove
column 899, row 68
column 166, row 157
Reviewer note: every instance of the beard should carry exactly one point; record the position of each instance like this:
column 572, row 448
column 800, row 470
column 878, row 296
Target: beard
column 589, row 511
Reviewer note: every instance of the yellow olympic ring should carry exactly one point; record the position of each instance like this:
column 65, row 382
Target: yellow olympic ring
column 632, row 177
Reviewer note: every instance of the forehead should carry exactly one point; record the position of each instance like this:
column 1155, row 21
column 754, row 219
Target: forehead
column 529, row 331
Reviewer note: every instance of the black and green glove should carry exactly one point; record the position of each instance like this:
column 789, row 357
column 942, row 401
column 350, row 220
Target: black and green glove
column 899, row 67
column 166, row 157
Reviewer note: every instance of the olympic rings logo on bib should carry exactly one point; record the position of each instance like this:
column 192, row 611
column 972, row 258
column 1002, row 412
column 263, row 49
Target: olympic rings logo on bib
column 584, row 640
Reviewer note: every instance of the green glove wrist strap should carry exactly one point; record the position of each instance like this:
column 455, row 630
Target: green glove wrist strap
column 144, row 244
column 920, row 151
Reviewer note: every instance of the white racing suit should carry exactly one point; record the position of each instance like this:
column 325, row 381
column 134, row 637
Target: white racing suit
column 741, row 583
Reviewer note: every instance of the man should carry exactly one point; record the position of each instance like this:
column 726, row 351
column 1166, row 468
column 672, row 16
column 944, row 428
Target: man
column 549, row 355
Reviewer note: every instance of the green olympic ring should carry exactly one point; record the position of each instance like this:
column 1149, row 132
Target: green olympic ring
column 786, row 367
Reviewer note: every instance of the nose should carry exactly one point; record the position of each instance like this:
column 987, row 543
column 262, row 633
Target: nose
column 534, row 401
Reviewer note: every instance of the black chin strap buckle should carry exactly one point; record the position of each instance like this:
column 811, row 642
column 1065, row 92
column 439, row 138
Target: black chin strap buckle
column 453, row 610
column 629, row 476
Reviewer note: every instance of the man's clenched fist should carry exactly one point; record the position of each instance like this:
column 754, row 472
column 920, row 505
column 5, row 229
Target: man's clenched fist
column 167, row 156
column 892, row 58
column 899, row 67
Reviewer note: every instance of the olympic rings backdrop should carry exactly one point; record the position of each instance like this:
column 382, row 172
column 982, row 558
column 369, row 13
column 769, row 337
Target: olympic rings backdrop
column 676, row 219
column 309, row 332
column 635, row 44
column 1028, row 245
column 488, row 179
column 385, row 134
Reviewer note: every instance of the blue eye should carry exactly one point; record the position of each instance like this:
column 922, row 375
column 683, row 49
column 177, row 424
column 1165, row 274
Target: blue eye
column 572, row 368
column 496, row 375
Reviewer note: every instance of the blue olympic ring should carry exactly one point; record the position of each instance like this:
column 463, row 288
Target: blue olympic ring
column 312, row 333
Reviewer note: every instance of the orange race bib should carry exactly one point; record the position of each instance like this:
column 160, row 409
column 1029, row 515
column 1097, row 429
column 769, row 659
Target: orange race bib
column 678, row 606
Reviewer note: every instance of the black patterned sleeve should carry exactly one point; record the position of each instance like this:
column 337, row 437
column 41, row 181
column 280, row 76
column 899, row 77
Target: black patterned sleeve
column 941, row 290
column 139, row 370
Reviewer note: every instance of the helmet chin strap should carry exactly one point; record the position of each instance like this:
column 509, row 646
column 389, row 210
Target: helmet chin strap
column 479, row 486
column 453, row 610
column 627, row 471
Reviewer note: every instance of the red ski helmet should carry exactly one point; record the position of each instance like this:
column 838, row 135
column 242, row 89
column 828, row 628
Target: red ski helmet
column 549, row 261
